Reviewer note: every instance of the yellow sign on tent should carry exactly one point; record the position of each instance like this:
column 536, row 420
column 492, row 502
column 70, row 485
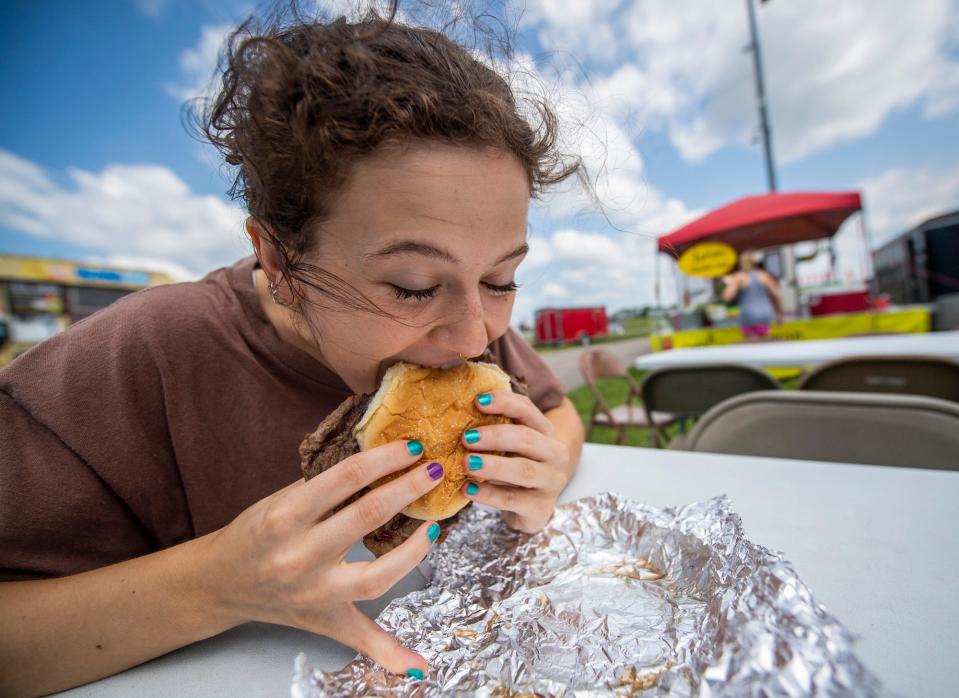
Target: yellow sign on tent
column 708, row 260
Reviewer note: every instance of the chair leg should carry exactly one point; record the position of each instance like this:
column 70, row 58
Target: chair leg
column 621, row 436
column 592, row 421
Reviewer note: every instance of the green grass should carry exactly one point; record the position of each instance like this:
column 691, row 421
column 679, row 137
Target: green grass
column 614, row 392
column 598, row 340
column 639, row 326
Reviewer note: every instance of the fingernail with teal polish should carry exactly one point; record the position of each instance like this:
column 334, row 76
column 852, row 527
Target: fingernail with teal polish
column 433, row 532
column 485, row 399
column 475, row 462
column 472, row 489
column 415, row 674
column 472, row 436
column 414, row 447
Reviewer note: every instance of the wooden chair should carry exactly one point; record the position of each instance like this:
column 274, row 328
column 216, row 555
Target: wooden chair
column 932, row 376
column 595, row 364
column 690, row 391
column 868, row 428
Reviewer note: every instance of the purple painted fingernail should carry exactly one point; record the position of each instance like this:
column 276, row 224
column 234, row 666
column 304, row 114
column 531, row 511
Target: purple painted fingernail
column 435, row 470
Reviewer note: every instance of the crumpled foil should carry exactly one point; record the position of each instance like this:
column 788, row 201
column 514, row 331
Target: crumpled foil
column 613, row 598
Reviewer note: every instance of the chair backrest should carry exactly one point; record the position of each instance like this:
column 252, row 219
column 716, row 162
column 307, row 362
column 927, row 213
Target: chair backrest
column 870, row 428
column 602, row 363
column 931, row 376
column 691, row 390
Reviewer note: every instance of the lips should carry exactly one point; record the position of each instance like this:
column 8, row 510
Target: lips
column 449, row 363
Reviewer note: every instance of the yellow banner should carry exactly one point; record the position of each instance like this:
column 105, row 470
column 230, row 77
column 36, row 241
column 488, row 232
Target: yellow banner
column 906, row 320
column 708, row 260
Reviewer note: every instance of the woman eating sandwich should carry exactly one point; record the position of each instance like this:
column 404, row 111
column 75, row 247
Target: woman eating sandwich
column 150, row 487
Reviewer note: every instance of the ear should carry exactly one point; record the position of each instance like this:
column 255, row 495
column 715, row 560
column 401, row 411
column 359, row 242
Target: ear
column 265, row 252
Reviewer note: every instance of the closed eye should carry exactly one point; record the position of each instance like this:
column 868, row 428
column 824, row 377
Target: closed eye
column 502, row 290
column 414, row 294
column 424, row 294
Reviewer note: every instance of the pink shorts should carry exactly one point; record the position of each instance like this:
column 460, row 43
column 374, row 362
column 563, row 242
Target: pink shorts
column 755, row 330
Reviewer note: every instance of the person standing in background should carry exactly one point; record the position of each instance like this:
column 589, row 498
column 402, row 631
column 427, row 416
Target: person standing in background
column 756, row 291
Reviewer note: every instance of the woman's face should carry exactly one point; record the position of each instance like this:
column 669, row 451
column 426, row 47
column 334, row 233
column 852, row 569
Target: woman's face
column 433, row 235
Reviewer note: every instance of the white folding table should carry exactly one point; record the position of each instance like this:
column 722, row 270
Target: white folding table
column 879, row 546
column 805, row 353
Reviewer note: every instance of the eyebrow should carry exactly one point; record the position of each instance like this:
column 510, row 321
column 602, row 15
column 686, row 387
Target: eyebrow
column 413, row 247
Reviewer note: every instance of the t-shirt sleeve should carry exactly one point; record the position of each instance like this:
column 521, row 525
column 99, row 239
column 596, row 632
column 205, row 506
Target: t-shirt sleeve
column 57, row 516
column 518, row 358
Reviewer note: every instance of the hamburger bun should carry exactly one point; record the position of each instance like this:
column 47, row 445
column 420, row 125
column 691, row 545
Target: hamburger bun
column 434, row 406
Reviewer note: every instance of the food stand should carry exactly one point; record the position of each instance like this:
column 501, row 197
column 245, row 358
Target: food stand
column 765, row 222
column 40, row 297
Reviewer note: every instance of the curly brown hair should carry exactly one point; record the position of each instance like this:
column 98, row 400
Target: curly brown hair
column 304, row 99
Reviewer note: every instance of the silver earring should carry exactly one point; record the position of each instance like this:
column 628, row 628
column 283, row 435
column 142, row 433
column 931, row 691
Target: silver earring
column 273, row 288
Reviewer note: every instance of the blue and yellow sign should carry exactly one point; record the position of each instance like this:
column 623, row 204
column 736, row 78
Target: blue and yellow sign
column 38, row 269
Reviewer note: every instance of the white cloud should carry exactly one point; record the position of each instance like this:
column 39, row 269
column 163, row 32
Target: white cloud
column 177, row 272
column 144, row 213
column 586, row 248
column 198, row 64
column 587, row 267
column 834, row 72
column 553, row 291
column 894, row 201
column 900, row 198
column 539, row 253
column 590, row 129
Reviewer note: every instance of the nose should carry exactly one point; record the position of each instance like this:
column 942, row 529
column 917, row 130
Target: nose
column 464, row 331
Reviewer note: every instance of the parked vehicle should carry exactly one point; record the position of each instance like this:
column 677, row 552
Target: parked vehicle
column 922, row 264
column 557, row 326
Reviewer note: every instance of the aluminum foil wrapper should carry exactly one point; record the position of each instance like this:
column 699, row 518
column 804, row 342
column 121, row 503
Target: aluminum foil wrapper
column 613, row 598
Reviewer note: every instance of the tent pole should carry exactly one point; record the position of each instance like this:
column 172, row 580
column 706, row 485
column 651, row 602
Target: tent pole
column 656, row 291
column 870, row 253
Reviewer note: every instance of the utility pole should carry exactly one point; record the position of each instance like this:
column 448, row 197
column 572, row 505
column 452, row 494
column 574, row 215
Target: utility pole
column 761, row 96
column 787, row 255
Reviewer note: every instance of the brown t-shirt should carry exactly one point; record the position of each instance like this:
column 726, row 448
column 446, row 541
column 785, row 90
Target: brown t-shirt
column 159, row 419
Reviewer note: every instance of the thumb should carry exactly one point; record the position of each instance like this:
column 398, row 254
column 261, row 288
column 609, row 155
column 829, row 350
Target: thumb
column 352, row 627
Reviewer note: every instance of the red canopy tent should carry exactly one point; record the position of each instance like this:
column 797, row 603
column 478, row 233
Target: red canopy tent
column 767, row 220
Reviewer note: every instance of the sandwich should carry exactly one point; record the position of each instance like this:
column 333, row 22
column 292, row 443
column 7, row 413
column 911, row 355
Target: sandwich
column 434, row 406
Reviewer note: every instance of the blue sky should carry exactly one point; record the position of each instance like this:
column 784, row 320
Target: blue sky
column 95, row 162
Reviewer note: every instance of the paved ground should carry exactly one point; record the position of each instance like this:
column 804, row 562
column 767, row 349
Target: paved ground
column 563, row 362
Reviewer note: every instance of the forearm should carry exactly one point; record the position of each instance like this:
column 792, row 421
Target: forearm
column 777, row 303
column 730, row 290
column 103, row 621
column 569, row 430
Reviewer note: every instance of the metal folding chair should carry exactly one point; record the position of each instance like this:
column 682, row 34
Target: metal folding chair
column 869, row 428
column 931, row 376
column 690, row 391
column 595, row 364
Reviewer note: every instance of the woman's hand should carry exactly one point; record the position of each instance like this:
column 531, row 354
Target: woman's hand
column 282, row 560
column 525, row 483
